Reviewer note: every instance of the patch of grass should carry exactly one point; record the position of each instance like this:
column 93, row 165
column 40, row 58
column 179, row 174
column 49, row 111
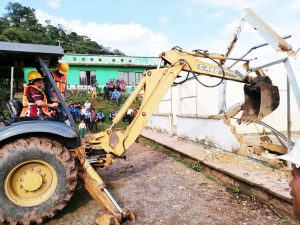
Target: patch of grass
column 231, row 189
column 212, row 178
column 286, row 222
column 198, row 166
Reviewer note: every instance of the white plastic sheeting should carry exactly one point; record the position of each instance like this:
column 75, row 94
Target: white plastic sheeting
column 184, row 108
column 207, row 131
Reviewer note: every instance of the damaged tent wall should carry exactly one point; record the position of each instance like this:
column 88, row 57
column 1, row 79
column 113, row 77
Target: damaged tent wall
column 186, row 109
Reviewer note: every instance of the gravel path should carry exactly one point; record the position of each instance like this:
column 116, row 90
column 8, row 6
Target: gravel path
column 163, row 191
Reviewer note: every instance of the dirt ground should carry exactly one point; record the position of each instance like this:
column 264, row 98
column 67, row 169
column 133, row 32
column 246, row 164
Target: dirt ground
column 163, row 191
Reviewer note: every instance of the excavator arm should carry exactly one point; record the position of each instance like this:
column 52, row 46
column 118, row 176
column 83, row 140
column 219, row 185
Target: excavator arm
column 111, row 144
column 261, row 98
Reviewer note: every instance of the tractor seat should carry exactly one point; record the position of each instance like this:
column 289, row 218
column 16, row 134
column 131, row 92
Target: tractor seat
column 15, row 107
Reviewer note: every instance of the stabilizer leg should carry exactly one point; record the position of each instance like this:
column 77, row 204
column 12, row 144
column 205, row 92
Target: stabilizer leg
column 114, row 214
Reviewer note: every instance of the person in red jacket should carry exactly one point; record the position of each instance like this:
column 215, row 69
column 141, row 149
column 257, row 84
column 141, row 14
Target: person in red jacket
column 35, row 96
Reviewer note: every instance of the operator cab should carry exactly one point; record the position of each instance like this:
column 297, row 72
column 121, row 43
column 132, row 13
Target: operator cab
column 14, row 57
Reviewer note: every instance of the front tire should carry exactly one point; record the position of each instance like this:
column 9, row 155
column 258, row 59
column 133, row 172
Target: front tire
column 37, row 177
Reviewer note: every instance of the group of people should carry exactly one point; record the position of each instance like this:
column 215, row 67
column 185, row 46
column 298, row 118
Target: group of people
column 114, row 87
column 115, row 95
column 87, row 116
column 118, row 84
column 111, row 90
column 84, row 89
column 39, row 98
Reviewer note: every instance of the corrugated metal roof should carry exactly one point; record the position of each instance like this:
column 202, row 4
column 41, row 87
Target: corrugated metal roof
column 24, row 55
column 31, row 48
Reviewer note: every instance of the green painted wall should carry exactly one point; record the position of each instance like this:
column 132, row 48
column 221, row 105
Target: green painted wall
column 103, row 73
column 105, row 67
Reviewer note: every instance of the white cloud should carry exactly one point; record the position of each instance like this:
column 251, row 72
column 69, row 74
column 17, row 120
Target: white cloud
column 188, row 12
column 132, row 38
column 216, row 14
column 249, row 37
column 55, row 4
column 293, row 6
column 163, row 19
column 233, row 4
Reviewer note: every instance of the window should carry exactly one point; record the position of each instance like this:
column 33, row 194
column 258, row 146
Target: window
column 113, row 60
column 128, row 77
column 138, row 77
column 74, row 59
column 83, row 59
column 122, row 60
column 87, row 77
column 91, row 59
column 99, row 59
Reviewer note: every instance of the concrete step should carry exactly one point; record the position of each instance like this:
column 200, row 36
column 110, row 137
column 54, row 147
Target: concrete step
column 252, row 177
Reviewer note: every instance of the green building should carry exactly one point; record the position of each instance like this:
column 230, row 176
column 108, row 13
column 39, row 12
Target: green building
column 87, row 69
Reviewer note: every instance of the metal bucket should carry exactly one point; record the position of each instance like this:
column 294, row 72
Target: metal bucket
column 261, row 98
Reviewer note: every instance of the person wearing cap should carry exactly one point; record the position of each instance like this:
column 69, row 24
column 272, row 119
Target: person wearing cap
column 294, row 157
column 36, row 98
column 60, row 78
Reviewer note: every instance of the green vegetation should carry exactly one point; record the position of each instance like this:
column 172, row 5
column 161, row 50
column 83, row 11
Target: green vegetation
column 105, row 106
column 232, row 189
column 198, row 167
column 286, row 222
column 20, row 24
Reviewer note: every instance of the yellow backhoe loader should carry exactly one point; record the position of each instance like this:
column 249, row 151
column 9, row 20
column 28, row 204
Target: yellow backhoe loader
column 41, row 160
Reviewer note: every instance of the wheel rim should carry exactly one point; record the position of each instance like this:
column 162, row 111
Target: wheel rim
column 30, row 183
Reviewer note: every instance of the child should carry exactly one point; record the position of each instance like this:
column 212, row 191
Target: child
column 100, row 116
column 82, row 129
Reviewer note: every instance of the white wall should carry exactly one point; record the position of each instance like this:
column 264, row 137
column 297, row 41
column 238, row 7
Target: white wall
column 191, row 98
column 185, row 108
column 208, row 130
column 161, row 123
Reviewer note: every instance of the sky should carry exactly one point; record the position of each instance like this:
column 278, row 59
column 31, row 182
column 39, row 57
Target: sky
column 149, row 27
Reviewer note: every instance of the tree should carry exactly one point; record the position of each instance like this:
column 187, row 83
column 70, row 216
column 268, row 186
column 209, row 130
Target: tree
column 20, row 24
column 13, row 34
column 20, row 15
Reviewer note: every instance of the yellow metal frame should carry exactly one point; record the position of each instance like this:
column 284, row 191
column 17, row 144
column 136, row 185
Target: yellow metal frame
column 155, row 85
column 97, row 189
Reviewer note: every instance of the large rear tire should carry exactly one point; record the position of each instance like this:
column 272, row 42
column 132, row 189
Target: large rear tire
column 37, row 179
